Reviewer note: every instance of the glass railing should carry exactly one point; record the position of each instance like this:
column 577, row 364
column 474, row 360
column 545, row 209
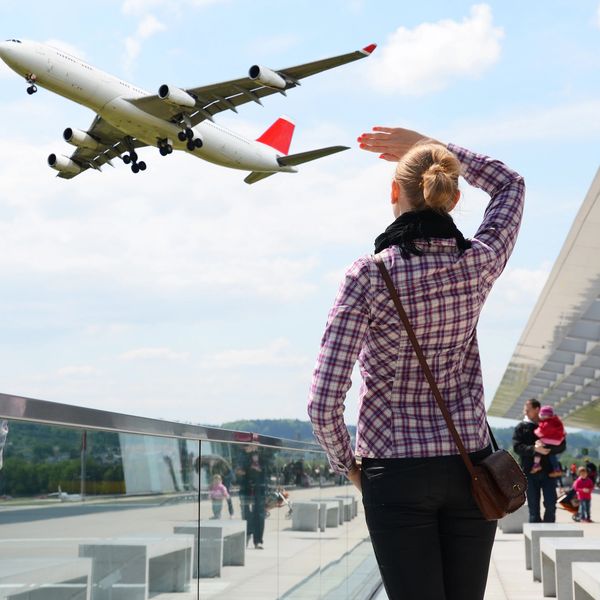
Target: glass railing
column 104, row 506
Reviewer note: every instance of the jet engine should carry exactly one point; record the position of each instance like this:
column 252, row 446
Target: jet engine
column 80, row 139
column 176, row 96
column 267, row 77
column 63, row 164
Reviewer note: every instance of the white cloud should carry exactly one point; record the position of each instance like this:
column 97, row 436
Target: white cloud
column 153, row 353
column 515, row 294
column 431, row 56
column 275, row 354
column 181, row 227
column 148, row 26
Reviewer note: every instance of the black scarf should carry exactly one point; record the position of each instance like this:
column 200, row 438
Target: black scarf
column 419, row 225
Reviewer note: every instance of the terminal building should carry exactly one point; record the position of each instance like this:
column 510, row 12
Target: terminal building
column 557, row 359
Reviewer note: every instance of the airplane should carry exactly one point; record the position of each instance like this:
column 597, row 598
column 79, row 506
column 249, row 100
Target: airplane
column 64, row 496
column 128, row 117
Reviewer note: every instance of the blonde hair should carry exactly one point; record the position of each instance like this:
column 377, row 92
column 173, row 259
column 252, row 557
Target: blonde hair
column 217, row 478
column 428, row 174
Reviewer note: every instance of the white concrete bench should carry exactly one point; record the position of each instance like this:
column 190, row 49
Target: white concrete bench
column 354, row 504
column 347, row 507
column 46, row 578
column 533, row 532
column 329, row 513
column 586, row 581
column 221, row 543
column 514, row 522
column 305, row 516
column 557, row 556
column 340, row 503
column 137, row 567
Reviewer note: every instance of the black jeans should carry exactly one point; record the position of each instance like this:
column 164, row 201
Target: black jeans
column 430, row 539
column 538, row 485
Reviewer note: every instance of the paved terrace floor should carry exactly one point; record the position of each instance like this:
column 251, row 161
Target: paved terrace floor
column 508, row 579
column 292, row 554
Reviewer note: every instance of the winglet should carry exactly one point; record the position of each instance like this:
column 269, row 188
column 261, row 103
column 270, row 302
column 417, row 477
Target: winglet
column 369, row 49
column 279, row 135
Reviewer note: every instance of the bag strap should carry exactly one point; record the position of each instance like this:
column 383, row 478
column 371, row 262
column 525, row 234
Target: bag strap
column 423, row 361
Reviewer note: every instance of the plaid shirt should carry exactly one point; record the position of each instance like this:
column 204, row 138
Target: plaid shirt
column 443, row 293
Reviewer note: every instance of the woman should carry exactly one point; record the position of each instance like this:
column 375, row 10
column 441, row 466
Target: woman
column 429, row 537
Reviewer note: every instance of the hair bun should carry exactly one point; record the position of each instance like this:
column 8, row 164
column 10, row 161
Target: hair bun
column 429, row 174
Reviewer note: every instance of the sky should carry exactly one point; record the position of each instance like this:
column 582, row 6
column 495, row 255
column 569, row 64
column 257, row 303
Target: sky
column 182, row 293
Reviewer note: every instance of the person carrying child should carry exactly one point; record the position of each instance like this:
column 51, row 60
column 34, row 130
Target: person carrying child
column 551, row 432
column 218, row 492
column 583, row 486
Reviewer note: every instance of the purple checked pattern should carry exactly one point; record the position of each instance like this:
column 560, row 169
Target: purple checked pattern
column 443, row 293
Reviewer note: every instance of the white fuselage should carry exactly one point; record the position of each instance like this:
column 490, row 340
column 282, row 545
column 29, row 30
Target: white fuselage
column 107, row 95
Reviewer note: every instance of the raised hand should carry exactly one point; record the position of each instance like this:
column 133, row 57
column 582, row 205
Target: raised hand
column 391, row 142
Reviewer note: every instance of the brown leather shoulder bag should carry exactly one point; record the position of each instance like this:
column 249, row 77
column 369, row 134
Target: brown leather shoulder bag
column 498, row 483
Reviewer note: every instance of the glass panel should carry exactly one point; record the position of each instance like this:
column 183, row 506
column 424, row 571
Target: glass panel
column 238, row 542
column 96, row 512
column 125, row 517
column 302, row 534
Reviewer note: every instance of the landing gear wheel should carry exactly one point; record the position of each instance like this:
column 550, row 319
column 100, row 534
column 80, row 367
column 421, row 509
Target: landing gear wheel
column 163, row 151
column 191, row 146
column 126, row 159
column 135, row 168
column 169, row 149
column 182, row 136
column 189, row 133
column 142, row 165
column 198, row 143
column 133, row 156
column 32, row 89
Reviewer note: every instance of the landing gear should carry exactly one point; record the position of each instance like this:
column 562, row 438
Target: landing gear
column 193, row 144
column 186, row 134
column 132, row 158
column 164, row 147
column 31, row 78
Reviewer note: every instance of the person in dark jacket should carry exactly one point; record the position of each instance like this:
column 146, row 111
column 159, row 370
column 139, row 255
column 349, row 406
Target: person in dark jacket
column 540, row 484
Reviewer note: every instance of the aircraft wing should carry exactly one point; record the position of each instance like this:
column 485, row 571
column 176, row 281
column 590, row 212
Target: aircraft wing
column 228, row 95
column 112, row 145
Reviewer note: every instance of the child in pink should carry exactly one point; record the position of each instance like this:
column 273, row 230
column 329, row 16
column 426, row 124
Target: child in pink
column 551, row 431
column 583, row 486
column 218, row 492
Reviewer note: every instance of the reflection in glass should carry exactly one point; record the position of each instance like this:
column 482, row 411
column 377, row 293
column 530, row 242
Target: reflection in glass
column 95, row 513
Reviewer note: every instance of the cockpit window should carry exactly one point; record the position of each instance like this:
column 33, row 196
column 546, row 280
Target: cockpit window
column 18, row 41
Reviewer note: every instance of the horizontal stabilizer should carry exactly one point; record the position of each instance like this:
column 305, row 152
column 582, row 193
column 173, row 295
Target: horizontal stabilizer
column 303, row 157
column 257, row 176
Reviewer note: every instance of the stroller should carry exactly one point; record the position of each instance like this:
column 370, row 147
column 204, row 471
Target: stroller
column 278, row 498
column 570, row 503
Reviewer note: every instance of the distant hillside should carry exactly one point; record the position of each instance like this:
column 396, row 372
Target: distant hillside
column 294, row 429
column 291, row 429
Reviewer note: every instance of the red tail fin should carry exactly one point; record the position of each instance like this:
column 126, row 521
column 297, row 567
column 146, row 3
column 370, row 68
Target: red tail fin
column 279, row 135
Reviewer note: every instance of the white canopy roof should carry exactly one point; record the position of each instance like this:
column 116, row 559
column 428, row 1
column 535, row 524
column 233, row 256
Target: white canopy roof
column 557, row 359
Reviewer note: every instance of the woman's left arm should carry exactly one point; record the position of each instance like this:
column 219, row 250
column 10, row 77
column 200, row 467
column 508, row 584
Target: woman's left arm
column 346, row 328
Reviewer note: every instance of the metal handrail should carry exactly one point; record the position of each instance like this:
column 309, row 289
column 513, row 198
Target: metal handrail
column 67, row 415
